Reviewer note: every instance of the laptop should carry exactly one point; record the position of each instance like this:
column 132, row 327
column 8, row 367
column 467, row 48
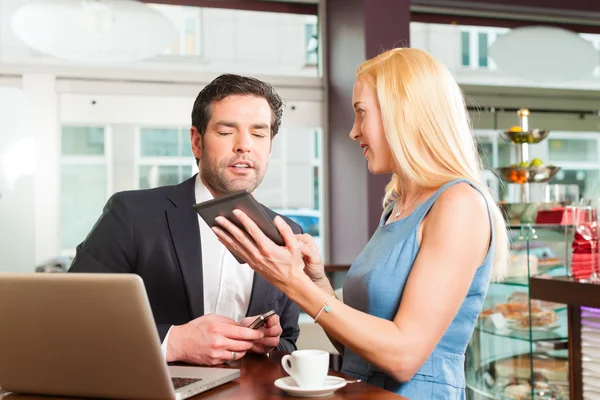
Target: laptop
column 89, row 335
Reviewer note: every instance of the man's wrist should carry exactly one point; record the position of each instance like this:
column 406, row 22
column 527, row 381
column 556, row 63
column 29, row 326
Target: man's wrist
column 173, row 353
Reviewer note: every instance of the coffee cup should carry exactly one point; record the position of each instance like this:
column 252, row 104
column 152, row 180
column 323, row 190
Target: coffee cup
column 308, row 367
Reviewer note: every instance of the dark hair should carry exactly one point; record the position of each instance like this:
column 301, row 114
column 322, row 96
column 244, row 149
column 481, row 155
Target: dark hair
column 229, row 85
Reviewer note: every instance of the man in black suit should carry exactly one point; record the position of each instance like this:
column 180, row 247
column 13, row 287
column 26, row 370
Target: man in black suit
column 199, row 293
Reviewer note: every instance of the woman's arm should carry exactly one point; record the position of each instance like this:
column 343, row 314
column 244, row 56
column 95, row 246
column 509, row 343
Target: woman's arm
column 326, row 287
column 455, row 238
column 454, row 243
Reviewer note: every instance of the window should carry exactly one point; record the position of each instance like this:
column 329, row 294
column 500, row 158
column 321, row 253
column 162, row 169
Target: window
column 85, row 182
column 217, row 40
column 583, row 150
column 465, row 39
column 485, row 148
column 474, row 45
column 164, row 158
column 578, row 155
column 293, row 183
column 312, row 44
column 494, row 152
column 483, row 49
column 188, row 21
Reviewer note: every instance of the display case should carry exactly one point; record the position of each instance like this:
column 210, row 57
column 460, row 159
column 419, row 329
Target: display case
column 519, row 349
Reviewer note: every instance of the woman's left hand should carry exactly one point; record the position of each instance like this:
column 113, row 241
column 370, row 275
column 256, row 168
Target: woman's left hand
column 279, row 265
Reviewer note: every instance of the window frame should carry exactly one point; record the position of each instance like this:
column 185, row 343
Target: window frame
column 168, row 161
column 105, row 160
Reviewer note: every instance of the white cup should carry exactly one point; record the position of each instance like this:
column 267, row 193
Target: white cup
column 308, row 367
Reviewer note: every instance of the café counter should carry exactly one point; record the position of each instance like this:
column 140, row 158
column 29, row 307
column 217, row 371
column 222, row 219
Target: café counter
column 583, row 312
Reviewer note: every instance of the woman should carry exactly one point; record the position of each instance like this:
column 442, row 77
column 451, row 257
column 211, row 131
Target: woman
column 414, row 293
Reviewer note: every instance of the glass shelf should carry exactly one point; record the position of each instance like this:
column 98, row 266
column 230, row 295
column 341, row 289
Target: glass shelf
column 515, row 281
column 558, row 334
column 552, row 270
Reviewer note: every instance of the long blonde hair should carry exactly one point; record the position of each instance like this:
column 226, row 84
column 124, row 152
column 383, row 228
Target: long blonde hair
column 427, row 127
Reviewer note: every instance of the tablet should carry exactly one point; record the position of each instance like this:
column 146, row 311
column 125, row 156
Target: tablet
column 243, row 200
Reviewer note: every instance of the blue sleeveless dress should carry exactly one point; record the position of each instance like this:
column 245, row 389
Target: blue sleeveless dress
column 375, row 284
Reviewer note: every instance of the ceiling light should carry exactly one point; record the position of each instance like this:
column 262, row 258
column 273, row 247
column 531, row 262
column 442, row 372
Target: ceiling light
column 544, row 54
column 94, row 31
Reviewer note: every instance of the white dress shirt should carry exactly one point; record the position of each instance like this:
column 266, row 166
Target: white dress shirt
column 227, row 284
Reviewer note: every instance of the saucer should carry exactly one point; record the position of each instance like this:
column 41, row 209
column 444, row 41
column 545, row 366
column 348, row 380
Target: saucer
column 331, row 384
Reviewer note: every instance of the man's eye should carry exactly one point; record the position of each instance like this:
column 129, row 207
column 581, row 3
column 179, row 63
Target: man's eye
column 259, row 135
column 224, row 133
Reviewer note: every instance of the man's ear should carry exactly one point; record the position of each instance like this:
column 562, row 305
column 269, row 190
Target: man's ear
column 196, row 141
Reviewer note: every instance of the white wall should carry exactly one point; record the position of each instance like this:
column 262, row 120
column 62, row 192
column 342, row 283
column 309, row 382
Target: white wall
column 17, row 218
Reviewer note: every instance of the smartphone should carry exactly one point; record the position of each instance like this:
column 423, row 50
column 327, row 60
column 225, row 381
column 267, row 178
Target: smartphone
column 242, row 200
column 261, row 320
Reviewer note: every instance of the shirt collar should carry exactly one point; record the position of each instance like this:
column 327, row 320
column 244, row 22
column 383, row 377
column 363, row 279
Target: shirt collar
column 201, row 191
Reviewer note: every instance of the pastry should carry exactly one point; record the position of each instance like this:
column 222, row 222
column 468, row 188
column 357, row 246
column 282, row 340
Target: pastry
column 518, row 392
column 539, row 318
column 553, row 370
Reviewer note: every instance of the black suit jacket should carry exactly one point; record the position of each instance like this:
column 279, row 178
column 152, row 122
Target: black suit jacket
column 155, row 233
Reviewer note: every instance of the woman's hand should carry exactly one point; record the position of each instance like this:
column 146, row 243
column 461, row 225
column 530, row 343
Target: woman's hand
column 313, row 264
column 279, row 265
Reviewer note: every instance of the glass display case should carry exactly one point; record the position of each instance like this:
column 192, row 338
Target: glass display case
column 519, row 349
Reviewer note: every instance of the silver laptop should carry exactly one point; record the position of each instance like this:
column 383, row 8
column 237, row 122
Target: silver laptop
column 89, row 335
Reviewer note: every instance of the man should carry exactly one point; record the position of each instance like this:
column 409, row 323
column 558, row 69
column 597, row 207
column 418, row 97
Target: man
column 197, row 289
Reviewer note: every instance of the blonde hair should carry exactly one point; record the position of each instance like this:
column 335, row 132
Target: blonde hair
column 427, row 127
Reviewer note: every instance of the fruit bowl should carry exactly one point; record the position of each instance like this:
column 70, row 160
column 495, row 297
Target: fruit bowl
column 524, row 213
column 516, row 213
column 539, row 174
column 518, row 137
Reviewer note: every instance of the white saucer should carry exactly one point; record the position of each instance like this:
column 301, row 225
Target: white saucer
column 331, row 384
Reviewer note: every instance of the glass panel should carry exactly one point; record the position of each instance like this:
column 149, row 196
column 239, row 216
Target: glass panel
column 317, row 141
column 465, row 43
column 483, row 49
column 152, row 176
column 83, row 190
column 581, row 150
column 485, row 148
column 159, row 142
column 82, row 141
column 214, row 40
column 185, row 145
column 504, row 153
column 190, row 36
column 585, row 179
column 17, row 188
column 316, row 191
column 291, row 185
column 312, row 44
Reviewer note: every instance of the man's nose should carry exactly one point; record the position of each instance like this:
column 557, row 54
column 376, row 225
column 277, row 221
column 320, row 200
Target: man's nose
column 243, row 142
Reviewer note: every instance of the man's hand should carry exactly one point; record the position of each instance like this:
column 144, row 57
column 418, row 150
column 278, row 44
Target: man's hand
column 272, row 331
column 211, row 340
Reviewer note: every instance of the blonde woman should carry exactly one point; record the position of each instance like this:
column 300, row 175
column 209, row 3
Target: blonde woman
column 414, row 293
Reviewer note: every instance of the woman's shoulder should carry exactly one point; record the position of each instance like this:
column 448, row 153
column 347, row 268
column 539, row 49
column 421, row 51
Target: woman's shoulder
column 460, row 203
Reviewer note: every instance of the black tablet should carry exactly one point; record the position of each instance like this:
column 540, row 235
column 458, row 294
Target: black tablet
column 224, row 206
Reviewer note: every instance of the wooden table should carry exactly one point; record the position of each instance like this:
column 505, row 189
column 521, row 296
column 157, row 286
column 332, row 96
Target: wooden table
column 256, row 383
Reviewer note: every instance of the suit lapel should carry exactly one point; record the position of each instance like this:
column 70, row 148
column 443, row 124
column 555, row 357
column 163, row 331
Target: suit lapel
column 260, row 287
column 185, row 233
column 258, row 296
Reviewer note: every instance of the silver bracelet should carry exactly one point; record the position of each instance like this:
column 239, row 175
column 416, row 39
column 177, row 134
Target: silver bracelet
column 325, row 308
